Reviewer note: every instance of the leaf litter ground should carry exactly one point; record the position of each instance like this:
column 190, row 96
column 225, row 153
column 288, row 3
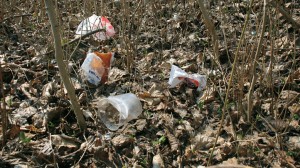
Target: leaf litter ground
column 179, row 126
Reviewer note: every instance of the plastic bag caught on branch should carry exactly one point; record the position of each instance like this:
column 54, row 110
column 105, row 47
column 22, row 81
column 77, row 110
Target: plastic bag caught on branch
column 94, row 23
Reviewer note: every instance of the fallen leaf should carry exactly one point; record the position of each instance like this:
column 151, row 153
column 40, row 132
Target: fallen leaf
column 121, row 141
column 64, row 141
column 202, row 142
column 295, row 108
column 14, row 131
column 208, row 95
column 230, row 161
column 116, row 74
column 141, row 124
column 173, row 141
column 289, row 96
column 157, row 161
column 48, row 89
column 294, row 142
column 22, row 114
column 182, row 112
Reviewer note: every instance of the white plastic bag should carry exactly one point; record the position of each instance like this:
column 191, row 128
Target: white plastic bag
column 178, row 75
column 94, row 23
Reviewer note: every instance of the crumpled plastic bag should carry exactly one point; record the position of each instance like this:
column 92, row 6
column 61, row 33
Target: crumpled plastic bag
column 94, row 23
column 178, row 75
column 96, row 66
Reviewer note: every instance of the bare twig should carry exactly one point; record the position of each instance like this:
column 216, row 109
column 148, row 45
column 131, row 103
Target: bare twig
column 15, row 16
column 127, row 38
column 61, row 65
column 254, row 75
column 285, row 14
column 4, row 115
column 211, row 28
column 82, row 37
column 75, row 40
column 234, row 65
column 19, row 67
column 53, row 152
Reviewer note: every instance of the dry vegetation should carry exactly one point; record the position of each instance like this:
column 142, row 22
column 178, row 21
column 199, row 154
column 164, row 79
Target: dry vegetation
column 248, row 115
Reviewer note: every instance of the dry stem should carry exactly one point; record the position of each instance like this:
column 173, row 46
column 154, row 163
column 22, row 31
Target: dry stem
column 61, row 66
column 254, row 75
column 211, row 28
column 76, row 39
column 286, row 15
column 4, row 115
column 230, row 81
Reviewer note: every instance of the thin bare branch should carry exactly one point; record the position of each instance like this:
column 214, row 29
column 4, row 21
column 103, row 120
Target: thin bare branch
column 254, row 75
column 285, row 14
column 75, row 40
column 61, row 66
column 211, row 28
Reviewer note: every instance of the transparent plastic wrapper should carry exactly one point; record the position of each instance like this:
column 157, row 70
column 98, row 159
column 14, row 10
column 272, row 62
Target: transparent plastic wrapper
column 94, row 23
column 116, row 111
column 96, row 66
column 178, row 75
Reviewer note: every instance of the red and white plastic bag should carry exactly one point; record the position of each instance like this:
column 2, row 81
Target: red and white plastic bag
column 178, row 76
column 94, row 23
